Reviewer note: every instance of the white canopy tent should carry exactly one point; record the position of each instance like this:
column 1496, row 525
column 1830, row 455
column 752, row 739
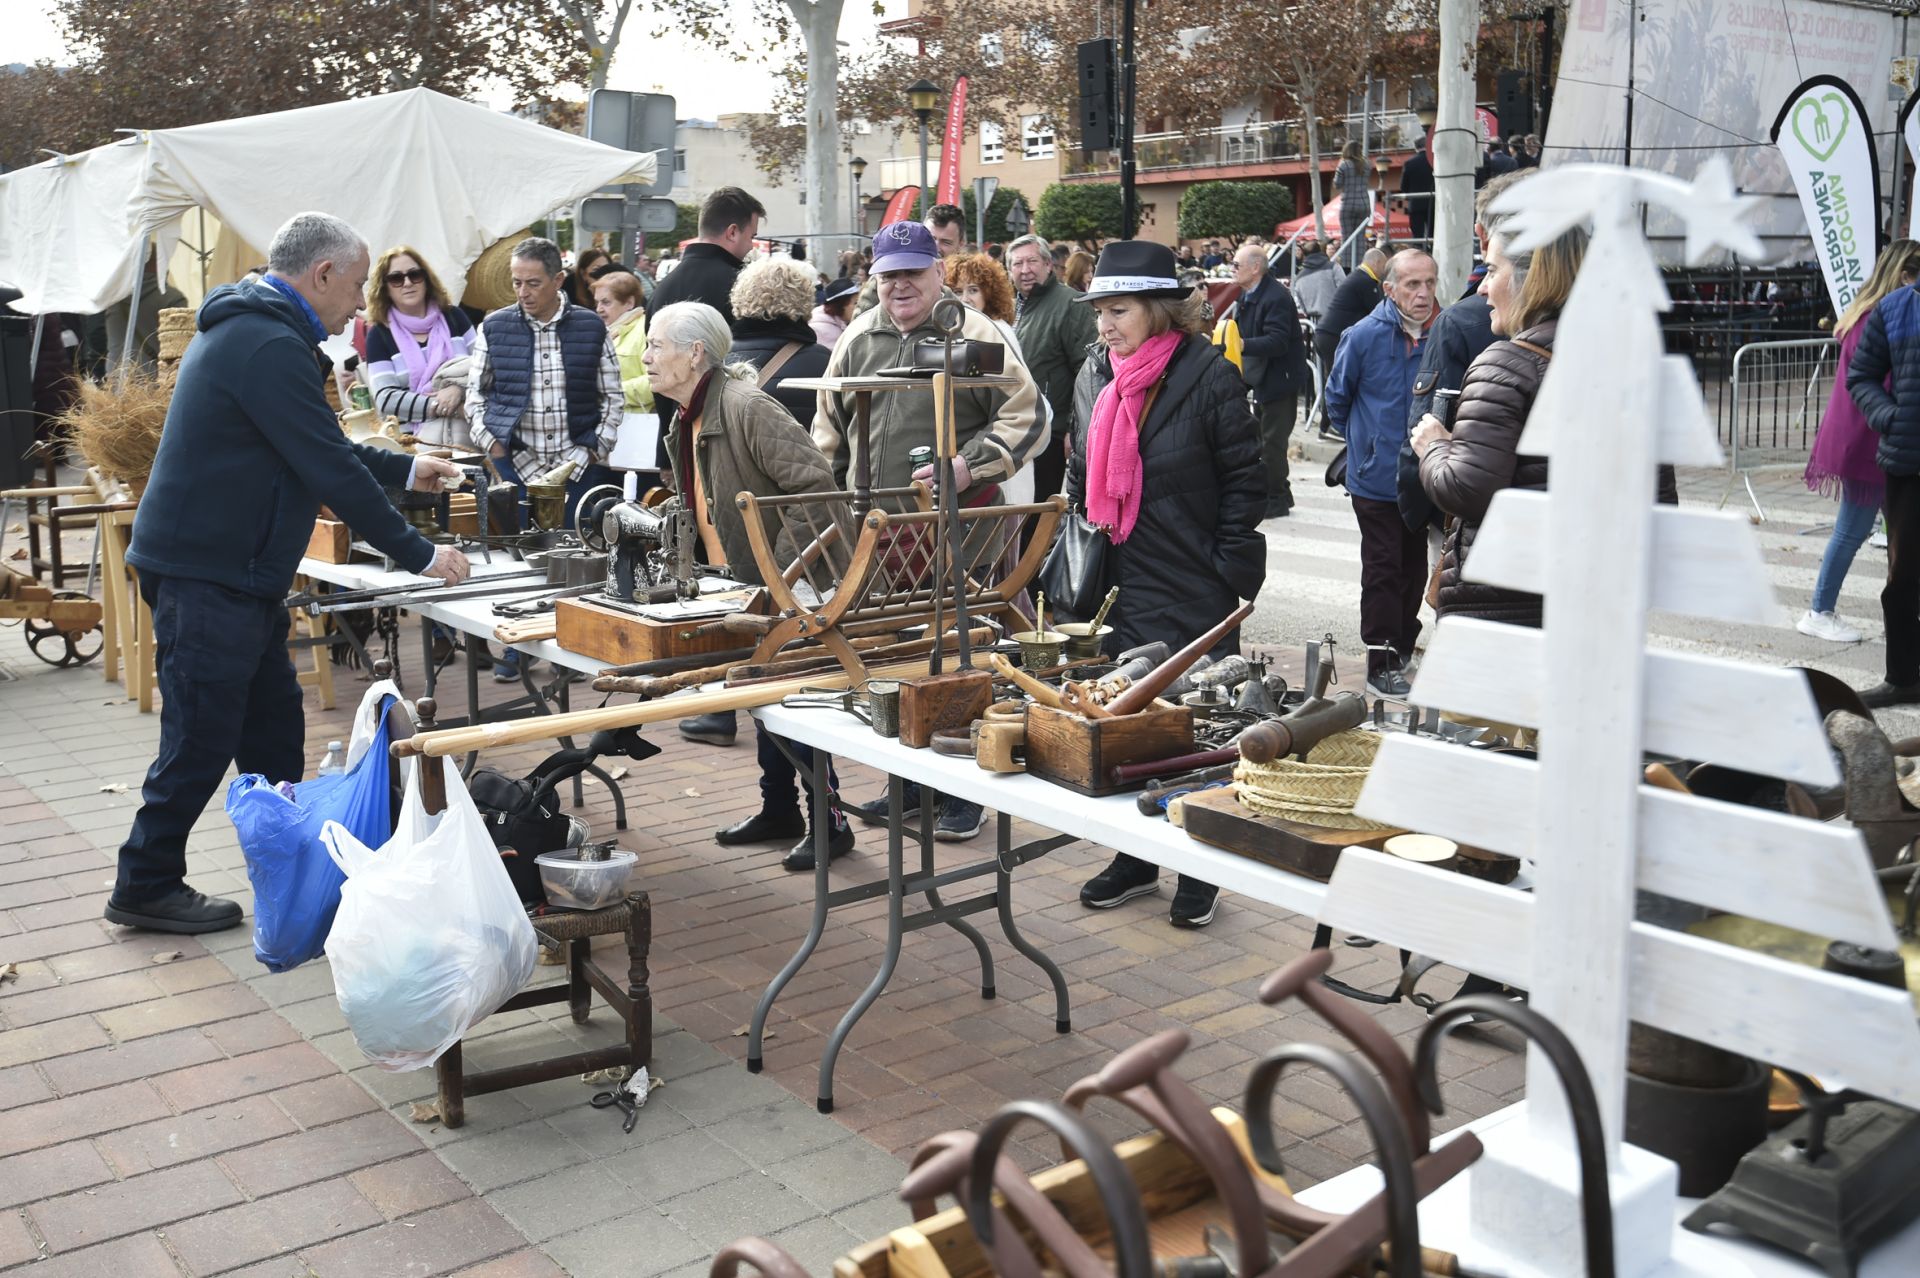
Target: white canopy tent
column 417, row 167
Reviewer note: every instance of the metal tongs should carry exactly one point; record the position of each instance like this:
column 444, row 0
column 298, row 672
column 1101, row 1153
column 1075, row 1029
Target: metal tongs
column 852, row 700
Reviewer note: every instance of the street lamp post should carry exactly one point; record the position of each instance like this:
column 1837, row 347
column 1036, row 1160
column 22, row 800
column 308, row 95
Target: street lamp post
column 1380, row 181
column 924, row 96
column 859, row 169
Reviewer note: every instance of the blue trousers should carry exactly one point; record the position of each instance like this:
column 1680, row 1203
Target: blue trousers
column 228, row 694
column 1851, row 528
column 778, row 791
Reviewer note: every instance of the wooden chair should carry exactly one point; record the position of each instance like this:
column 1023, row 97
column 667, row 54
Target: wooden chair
column 633, row 1002
column 315, row 635
column 46, row 515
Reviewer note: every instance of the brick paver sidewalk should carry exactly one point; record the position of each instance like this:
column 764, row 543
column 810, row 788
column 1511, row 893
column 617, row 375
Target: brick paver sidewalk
column 202, row 1116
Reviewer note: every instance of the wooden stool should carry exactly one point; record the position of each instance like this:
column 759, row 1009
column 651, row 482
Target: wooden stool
column 633, row 1004
column 315, row 635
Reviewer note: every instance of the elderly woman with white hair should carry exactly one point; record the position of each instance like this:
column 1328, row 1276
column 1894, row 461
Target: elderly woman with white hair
column 729, row 437
column 772, row 310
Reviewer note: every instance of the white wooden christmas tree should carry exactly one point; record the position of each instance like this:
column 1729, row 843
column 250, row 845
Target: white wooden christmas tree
column 1603, row 554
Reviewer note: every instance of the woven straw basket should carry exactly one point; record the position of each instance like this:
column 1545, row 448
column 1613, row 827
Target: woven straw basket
column 1321, row 791
column 490, row 278
column 176, row 330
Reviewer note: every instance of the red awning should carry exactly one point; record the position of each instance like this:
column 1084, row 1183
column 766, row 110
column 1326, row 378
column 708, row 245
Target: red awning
column 1399, row 227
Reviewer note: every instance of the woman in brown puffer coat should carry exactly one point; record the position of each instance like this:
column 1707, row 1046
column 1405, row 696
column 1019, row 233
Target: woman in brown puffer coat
column 1463, row 468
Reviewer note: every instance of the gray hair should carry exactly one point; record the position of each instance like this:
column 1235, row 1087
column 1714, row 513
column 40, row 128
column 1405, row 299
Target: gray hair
column 307, row 239
column 1392, row 275
column 684, row 323
column 1031, row 241
column 535, row 249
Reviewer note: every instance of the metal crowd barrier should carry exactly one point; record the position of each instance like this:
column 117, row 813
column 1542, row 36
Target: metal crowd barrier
column 1771, row 405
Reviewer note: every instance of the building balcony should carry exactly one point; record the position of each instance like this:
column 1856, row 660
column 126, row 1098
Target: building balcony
column 1264, row 148
column 904, row 170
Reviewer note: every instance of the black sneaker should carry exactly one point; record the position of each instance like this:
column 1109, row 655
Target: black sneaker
column 763, row 827
column 182, row 910
column 1194, row 903
column 717, row 728
column 874, row 811
column 801, row 858
column 1884, row 694
column 1393, row 685
column 1124, row 878
column 958, row 820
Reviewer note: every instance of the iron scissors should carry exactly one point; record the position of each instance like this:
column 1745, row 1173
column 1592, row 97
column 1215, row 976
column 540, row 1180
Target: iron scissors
column 621, row 1099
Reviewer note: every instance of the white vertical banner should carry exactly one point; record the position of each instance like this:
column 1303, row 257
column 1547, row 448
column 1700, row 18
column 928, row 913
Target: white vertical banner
column 1910, row 134
column 1826, row 139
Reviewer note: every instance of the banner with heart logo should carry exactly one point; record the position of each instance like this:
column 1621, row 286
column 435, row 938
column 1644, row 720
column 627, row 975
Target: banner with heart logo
column 1826, row 139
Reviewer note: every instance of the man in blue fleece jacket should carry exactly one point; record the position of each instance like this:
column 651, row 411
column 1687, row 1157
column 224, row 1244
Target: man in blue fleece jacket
column 249, row 454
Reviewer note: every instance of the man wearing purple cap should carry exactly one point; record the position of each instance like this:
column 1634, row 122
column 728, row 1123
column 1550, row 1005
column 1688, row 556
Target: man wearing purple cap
column 996, row 431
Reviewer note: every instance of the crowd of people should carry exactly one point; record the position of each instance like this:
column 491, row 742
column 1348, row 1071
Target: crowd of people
column 1124, row 398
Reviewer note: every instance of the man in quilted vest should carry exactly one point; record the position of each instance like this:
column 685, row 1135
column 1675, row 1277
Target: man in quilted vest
column 543, row 385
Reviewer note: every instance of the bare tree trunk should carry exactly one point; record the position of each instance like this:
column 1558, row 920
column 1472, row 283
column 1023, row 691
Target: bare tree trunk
column 820, row 26
column 1455, row 146
column 1311, row 117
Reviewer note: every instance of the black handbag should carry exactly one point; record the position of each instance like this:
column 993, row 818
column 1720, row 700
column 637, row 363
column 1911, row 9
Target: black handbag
column 1074, row 574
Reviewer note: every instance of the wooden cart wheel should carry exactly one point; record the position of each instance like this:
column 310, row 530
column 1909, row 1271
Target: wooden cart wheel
column 59, row 647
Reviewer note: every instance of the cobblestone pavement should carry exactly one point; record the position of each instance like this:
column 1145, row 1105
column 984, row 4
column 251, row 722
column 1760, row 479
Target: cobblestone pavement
column 202, row 1116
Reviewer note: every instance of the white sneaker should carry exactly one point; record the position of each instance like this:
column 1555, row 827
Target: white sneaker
column 1828, row 626
column 1878, row 541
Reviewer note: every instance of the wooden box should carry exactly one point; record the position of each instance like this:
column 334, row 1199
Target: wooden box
column 1076, row 752
column 619, row 637
column 331, row 542
column 1218, row 817
column 950, row 700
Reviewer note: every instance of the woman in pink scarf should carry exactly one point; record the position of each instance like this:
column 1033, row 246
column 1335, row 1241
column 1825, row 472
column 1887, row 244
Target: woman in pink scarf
column 1843, row 463
column 417, row 344
column 1164, row 455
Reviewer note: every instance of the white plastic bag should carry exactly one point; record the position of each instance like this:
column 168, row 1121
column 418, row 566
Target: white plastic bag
column 366, row 721
column 430, row 938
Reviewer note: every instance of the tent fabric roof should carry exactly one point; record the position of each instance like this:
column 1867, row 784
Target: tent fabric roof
column 417, row 167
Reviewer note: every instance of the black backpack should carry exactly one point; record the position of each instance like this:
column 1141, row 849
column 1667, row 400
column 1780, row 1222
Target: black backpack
column 523, row 815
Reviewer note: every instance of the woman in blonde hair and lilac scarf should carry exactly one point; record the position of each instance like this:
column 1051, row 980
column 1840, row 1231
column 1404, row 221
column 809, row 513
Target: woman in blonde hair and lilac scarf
column 417, row 344
column 1166, row 457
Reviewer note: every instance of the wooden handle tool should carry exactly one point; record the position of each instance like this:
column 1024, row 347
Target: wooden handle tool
column 1154, row 682
column 1025, row 682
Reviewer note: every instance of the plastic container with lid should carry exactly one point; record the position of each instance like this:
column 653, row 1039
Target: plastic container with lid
column 574, row 884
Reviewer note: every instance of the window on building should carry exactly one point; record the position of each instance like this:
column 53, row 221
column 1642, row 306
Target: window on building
column 680, row 166
column 992, row 51
column 1036, row 137
column 1038, row 41
column 993, row 143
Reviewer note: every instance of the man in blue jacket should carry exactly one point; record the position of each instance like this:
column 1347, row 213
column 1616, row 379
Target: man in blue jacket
column 1367, row 397
column 249, row 453
column 1272, row 357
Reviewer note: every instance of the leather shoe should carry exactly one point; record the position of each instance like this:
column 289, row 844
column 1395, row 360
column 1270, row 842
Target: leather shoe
column 763, row 827
column 182, row 910
column 1884, row 694
column 715, row 729
column 801, row 857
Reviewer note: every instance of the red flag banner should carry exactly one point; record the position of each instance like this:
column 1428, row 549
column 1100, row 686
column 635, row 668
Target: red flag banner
column 900, row 207
column 952, row 141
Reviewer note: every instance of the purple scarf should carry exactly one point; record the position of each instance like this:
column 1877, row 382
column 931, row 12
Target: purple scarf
column 1844, row 461
column 421, row 362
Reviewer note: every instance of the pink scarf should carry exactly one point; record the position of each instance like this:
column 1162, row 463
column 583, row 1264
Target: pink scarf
column 421, row 362
column 1113, row 442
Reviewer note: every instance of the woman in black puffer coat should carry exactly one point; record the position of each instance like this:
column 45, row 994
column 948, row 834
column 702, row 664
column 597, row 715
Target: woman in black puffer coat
column 1461, row 470
column 1190, row 550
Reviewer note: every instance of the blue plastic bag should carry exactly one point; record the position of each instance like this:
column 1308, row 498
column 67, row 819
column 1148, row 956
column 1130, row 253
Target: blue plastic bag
column 296, row 885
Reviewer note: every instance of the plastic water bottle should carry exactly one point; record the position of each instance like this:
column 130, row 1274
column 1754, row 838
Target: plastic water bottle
column 334, row 762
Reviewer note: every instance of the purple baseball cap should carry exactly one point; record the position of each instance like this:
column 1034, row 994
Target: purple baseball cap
column 904, row 246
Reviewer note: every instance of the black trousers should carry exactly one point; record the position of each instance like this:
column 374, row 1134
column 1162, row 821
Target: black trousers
column 228, row 694
column 1393, row 577
column 778, row 791
column 1276, row 432
column 1900, row 598
column 1326, row 346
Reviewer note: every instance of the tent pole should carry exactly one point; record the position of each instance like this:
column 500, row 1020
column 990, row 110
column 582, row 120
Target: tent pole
column 33, row 351
column 133, row 307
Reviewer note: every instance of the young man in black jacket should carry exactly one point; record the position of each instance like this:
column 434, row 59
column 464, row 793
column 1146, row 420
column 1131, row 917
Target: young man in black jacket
column 249, row 454
column 1271, row 356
